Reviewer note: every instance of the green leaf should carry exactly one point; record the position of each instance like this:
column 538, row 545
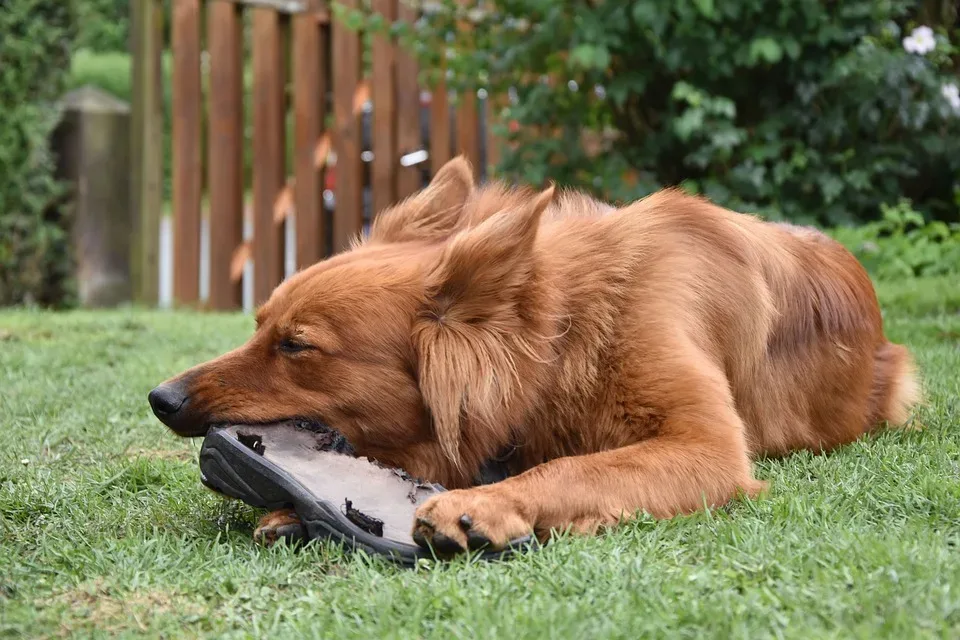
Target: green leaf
column 791, row 47
column 705, row 7
column 646, row 12
column 765, row 49
column 587, row 56
column 689, row 123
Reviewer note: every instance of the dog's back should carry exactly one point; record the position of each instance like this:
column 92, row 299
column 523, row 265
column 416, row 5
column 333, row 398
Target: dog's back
column 788, row 313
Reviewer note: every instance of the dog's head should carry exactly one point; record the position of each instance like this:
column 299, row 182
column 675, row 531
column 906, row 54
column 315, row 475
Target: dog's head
column 398, row 342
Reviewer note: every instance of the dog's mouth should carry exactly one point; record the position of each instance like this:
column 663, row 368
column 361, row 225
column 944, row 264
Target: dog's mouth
column 322, row 429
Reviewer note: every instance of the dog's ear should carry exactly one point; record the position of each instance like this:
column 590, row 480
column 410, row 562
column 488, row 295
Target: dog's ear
column 471, row 327
column 430, row 214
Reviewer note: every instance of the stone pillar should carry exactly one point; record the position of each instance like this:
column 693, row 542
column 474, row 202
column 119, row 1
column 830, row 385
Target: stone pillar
column 92, row 144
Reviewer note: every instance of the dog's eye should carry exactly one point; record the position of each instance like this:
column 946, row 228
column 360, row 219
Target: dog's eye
column 289, row 345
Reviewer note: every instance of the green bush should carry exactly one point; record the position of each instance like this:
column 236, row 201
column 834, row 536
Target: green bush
column 103, row 25
column 902, row 245
column 36, row 38
column 808, row 110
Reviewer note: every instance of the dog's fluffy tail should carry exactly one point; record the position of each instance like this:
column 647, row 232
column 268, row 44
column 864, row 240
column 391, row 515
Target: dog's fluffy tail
column 896, row 385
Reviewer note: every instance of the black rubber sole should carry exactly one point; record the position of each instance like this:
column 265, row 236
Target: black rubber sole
column 234, row 469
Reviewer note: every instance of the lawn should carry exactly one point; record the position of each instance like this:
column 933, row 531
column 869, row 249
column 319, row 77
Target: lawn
column 105, row 529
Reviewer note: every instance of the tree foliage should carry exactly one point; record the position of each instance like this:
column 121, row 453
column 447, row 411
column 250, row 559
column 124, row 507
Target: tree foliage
column 810, row 110
column 36, row 38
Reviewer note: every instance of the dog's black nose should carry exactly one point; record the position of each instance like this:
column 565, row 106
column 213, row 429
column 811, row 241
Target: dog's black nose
column 166, row 400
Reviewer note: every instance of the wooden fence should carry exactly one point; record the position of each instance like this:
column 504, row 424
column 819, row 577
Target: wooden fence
column 357, row 142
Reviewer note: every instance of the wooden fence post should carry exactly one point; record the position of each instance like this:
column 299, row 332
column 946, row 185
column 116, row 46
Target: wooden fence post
column 187, row 143
column 384, row 90
column 269, row 136
column 409, row 138
column 468, row 123
column 348, row 216
column 309, row 99
column 146, row 148
column 225, row 149
column 440, row 121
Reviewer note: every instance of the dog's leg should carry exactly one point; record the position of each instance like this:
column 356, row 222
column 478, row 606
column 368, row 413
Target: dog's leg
column 664, row 476
column 277, row 525
column 698, row 458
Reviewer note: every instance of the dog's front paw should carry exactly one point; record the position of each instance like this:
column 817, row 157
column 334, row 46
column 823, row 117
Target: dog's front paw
column 480, row 518
column 283, row 524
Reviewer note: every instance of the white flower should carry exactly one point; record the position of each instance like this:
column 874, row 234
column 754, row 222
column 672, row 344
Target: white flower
column 476, row 15
column 920, row 41
column 951, row 94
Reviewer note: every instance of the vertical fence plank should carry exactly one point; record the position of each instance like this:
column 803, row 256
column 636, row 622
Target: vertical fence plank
column 385, row 157
column 187, row 139
column 494, row 141
column 440, row 142
column 348, row 217
column 308, row 96
column 468, row 133
column 468, row 123
column 268, row 151
column 225, row 149
column 146, row 142
column 409, row 136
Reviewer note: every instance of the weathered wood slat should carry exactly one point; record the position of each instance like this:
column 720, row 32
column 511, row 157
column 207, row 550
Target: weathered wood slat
column 225, row 149
column 187, row 140
column 384, row 88
column 468, row 131
column 146, row 148
column 409, row 137
column 268, row 151
column 348, row 216
column 308, row 92
column 468, row 125
column 494, row 140
column 440, row 129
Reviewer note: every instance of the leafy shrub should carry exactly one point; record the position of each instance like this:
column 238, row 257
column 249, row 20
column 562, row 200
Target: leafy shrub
column 902, row 245
column 801, row 109
column 36, row 37
column 103, row 25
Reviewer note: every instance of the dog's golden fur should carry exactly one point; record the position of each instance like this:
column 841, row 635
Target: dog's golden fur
column 638, row 358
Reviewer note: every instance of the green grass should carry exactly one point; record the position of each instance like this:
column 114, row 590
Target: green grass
column 106, row 529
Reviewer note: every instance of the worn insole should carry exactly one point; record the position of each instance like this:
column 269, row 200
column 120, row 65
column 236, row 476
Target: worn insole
column 312, row 469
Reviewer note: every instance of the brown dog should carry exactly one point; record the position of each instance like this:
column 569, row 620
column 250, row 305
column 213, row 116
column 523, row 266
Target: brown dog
column 630, row 359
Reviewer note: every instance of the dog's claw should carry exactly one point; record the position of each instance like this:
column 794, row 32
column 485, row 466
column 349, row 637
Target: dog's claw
column 466, row 522
column 477, row 541
column 445, row 544
column 420, row 539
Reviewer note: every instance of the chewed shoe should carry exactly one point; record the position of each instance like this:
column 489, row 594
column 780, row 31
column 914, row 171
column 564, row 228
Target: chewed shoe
column 336, row 494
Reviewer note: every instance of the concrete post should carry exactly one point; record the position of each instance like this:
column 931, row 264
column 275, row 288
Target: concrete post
column 92, row 143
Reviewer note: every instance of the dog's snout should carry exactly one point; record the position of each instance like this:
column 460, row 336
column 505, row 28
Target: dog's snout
column 172, row 404
column 166, row 400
